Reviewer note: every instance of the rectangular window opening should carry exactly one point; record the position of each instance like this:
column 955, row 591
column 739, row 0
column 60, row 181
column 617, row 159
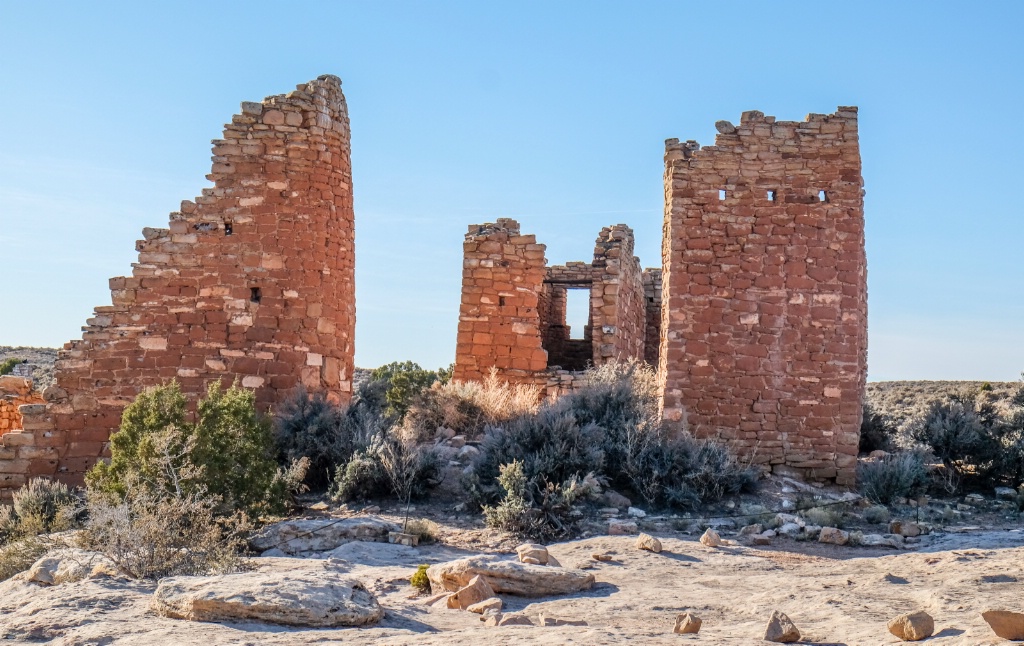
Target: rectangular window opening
column 721, row 193
column 577, row 312
column 823, row 196
column 501, row 301
column 771, row 196
column 228, row 229
column 255, row 295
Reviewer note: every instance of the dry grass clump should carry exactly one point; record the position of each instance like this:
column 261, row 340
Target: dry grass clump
column 467, row 407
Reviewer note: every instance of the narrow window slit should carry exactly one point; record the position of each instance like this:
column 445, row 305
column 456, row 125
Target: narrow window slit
column 501, row 301
column 228, row 229
column 771, row 196
column 721, row 193
column 255, row 295
column 822, row 196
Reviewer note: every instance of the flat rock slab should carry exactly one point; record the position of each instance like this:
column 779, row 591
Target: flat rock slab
column 321, row 534
column 508, row 577
column 311, row 597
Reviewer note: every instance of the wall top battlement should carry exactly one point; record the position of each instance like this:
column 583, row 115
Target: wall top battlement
column 503, row 225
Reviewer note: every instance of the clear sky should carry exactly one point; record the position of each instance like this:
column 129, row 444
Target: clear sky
column 554, row 113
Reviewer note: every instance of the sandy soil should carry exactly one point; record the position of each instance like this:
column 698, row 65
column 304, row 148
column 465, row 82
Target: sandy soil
column 835, row 595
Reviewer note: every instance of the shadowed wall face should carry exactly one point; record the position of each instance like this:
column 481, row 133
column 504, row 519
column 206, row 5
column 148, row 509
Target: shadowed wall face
column 252, row 282
column 764, row 322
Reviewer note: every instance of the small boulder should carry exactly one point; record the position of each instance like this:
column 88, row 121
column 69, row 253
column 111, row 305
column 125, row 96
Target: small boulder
column 457, row 441
column 834, row 536
column 1005, row 624
column 762, row 539
column 512, row 619
column 725, row 127
column 781, row 629
column 710, row 538
column 482, row 607
column 750, row 530
column 634, row 512
column 648, row 542
column 312, row 596
column 472, row 593
column 601, row 556
column 538, row 553
column 687, row 624
column 790, row 529
column 878, row 453
column 553, row 562
column 910, row 530
column 621, row 527
column 912, row 627
column 508, row 577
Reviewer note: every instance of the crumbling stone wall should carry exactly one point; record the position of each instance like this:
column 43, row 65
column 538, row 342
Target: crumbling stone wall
column 764, row 327
column 15, row 391
column 252, row 281
column 513, row 312
column 652, row 294
column 502, row 273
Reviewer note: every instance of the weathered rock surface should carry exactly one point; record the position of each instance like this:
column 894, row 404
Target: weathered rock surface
column 538, row 553
column 321, row 534
column 1005, row 624
column 834, row 536
column 315, row 597
column 508, row 577
column 648, row 542
column 511, row 619
column 912, row 627
column 492, row 604
column 68, row 565
column 781, row 629
column 687, row 624
column 621, row 527
column 474, row 592
column 710, row 538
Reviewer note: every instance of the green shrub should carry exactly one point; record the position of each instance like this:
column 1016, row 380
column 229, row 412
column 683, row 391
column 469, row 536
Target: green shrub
column 149, row 534
column 227, row 452
column 877, row 431
column 876, row 515
column 541, row 512
column 7, row 365
column 387, row 466
column 608, row 429
column 405, row 381
column 420, row 581
column 825, row 516
column 424, row 528
column 40, row 507
column 895, row 476
column 968, row 435
column 310, row 426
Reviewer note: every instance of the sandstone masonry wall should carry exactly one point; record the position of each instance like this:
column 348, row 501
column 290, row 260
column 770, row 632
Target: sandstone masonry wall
column 652, row 294
column 15, row 391
column 764, row 326
column 251, row 281
column 513, row 312
column 502, row 273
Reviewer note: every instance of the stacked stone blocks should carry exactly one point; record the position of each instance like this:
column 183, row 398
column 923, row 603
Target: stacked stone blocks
column 251, row 282
column 764, row 320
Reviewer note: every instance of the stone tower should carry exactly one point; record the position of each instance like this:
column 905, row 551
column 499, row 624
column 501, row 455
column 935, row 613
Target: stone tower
column 253, row 281
column 764, row 317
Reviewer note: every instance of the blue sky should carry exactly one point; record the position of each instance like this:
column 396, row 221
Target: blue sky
column 553, row 113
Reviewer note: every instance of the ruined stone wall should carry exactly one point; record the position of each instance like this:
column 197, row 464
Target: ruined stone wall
column 499, row 321
column 15, row 391
column 513, row 312
column 764, row 328
column 652, row 295
column 252, row 281
column 617, row 309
